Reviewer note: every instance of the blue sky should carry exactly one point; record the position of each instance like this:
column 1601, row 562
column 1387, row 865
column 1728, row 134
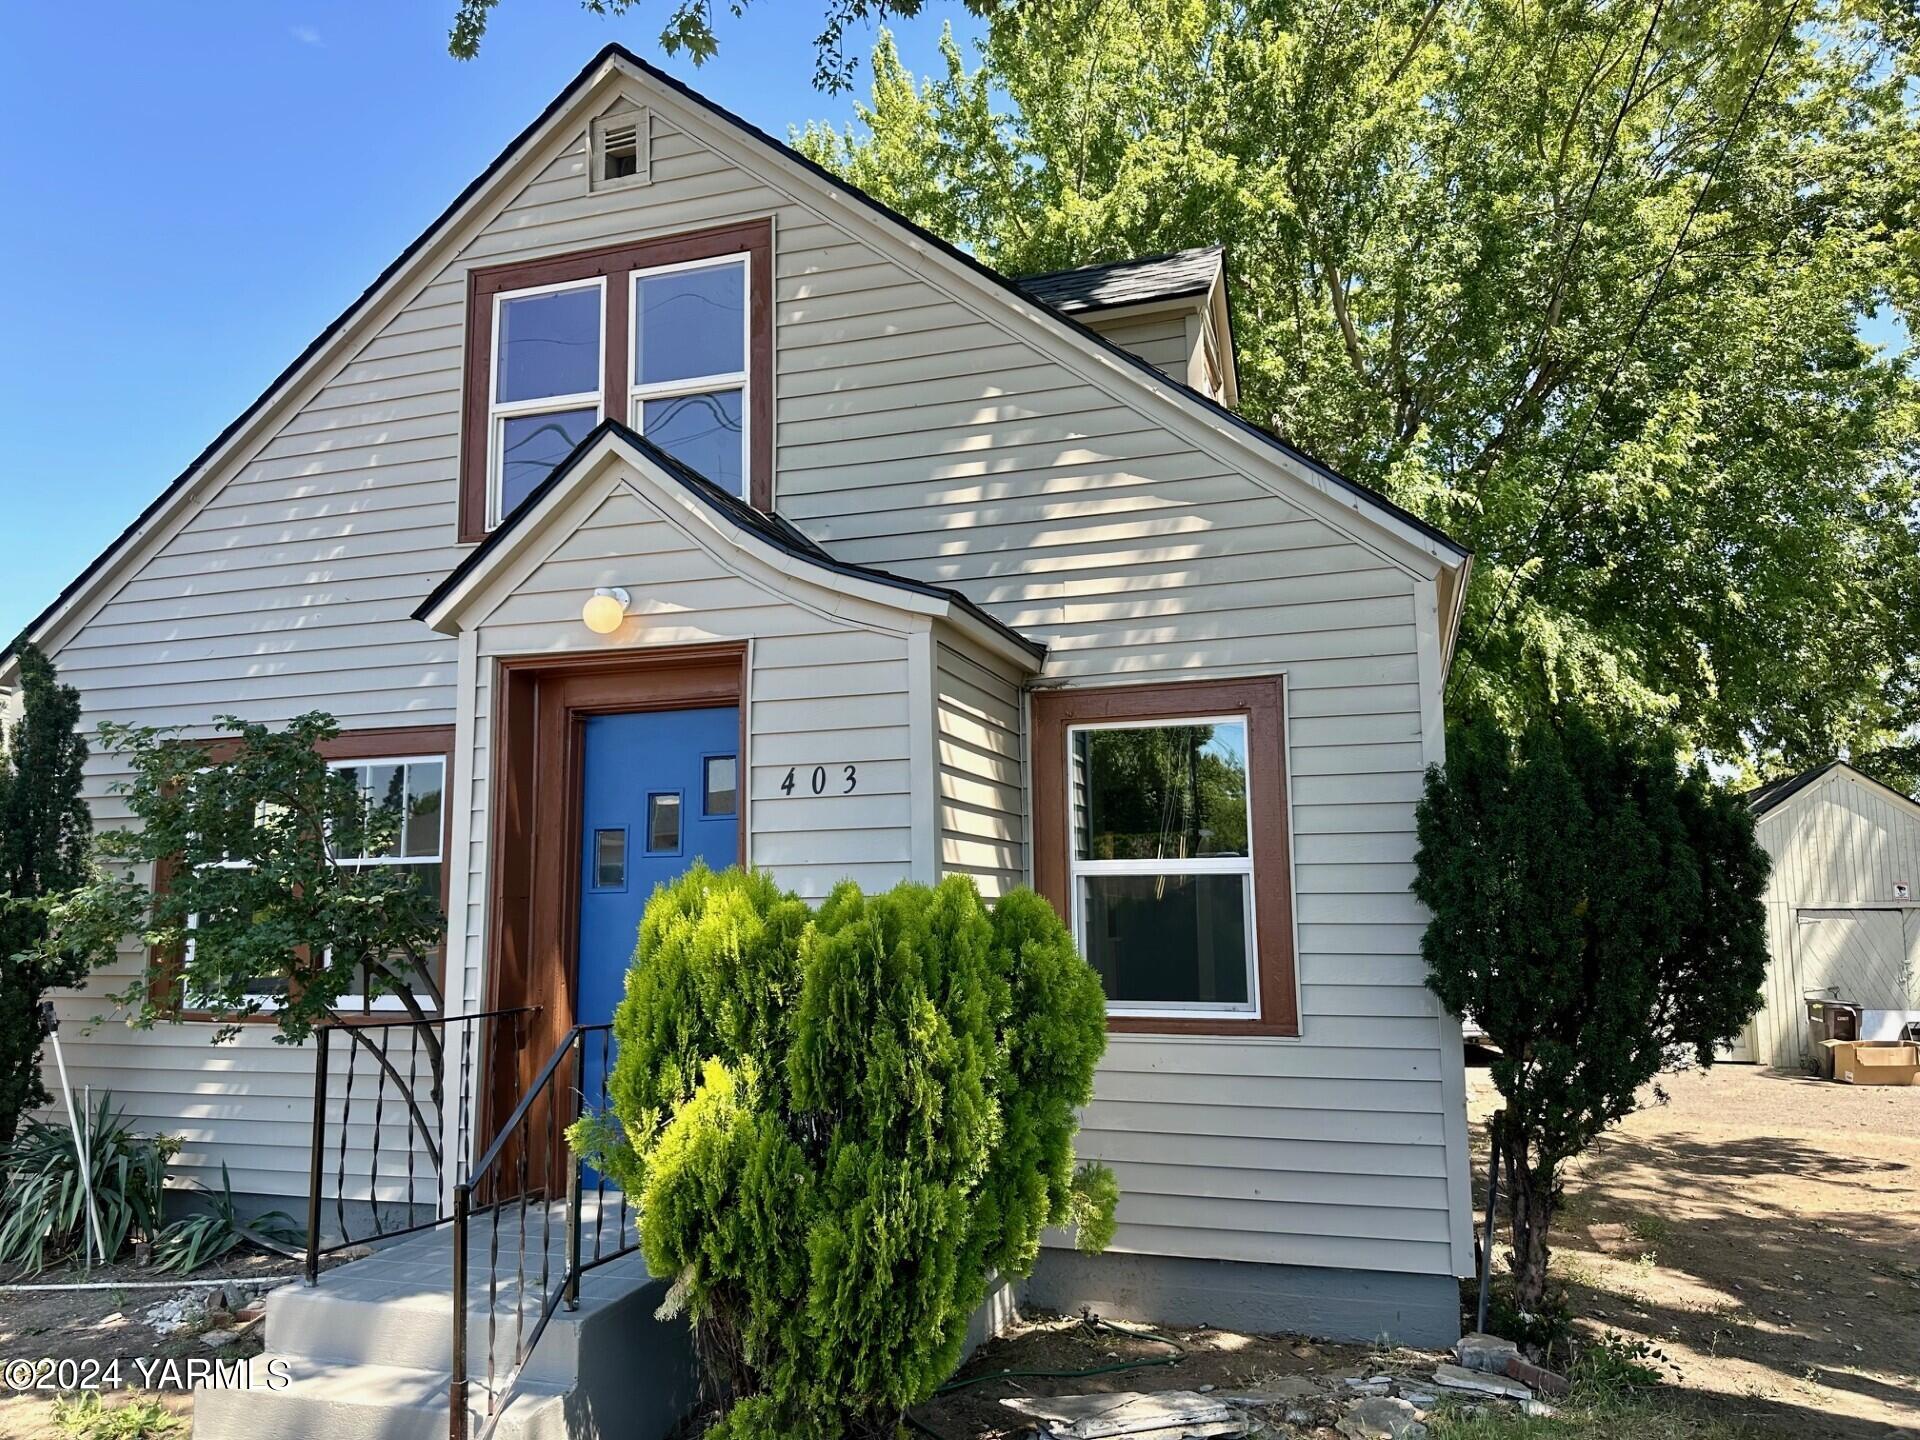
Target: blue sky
column 205, row 186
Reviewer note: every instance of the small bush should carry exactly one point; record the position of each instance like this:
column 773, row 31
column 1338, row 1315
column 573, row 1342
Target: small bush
column 841, row 1125
column 1618, row 1363
column 43, row 1207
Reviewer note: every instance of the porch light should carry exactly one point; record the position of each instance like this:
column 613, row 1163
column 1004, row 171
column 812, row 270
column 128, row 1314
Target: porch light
column 605, row 611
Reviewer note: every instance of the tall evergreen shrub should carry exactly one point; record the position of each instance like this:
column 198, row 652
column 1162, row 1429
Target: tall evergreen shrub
column 840, row 1125
column 45, row 840
column 1596, row 908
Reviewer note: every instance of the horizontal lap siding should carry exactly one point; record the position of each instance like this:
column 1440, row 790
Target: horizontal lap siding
column 915, row 434
column 979, row 744
column 822, row 692
column 1161, row 340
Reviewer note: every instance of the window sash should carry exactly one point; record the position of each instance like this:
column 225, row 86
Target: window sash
column 1243, row 865
column 404, row 763
column 638, row 394
column 499, row 410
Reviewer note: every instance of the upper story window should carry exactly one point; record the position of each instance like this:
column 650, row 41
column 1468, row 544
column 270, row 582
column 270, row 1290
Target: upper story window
column 548, row 353
column 673, row 337
column 690, row 344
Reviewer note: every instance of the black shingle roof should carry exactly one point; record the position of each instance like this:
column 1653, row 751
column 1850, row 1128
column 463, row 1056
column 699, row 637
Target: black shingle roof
column 773, row 529
column 1125, row 282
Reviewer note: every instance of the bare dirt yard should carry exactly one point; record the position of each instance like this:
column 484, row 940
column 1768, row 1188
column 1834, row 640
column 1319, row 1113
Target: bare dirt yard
column 134, row 1336
column 1763, row 1229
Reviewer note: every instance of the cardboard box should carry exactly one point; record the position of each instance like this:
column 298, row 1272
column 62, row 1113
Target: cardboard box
column 1870, row 1062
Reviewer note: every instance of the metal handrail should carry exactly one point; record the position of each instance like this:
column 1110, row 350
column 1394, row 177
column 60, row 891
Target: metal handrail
column 424, row 1132
column 567, row 1292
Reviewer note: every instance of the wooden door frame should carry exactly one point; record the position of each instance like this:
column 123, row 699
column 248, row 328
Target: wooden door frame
column 541, row 703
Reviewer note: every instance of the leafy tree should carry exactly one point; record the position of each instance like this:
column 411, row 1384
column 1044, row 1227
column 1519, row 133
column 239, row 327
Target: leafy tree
column 1584, row 284
column 839, row 1125
column 262, row 907
column 1597, row 911
column 690, row 28
column 45, row 834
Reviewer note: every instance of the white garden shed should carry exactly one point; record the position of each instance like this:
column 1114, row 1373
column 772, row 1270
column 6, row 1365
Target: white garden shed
column 1842, row 920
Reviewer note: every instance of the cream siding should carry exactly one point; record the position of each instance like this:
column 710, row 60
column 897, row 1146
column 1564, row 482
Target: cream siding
column 1161, row 338
column 919, row 430
column 980, row 737
column 1841, row 845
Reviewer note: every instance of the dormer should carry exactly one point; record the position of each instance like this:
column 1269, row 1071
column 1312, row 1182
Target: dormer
column 1170, row 310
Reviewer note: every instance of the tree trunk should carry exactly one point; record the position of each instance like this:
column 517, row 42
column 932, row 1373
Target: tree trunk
column 1530, row 1205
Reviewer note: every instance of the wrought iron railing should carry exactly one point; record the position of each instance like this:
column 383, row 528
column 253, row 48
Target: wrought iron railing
column 517, row 1174
column 412, row 1074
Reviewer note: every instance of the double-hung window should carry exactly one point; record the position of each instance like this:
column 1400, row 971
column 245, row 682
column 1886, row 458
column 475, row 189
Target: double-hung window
column 1160, row 835
column 413, row 790
column 1162, row 871
column 689, row 389
column 672, row 337
column 549, row 346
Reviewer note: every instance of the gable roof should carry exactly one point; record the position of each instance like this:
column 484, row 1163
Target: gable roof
column 733, row 513
column 1451, row 551
column 1139, row 281
column 1774, row 793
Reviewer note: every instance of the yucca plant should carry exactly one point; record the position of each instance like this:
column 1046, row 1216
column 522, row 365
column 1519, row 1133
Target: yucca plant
column 43, row 1206
column 186, row 1245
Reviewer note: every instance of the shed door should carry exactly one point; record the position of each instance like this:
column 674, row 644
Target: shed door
column 1857, row 955
column 1853, row 955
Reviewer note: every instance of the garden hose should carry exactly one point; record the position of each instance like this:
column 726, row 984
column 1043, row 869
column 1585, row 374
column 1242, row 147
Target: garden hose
column 1092, row 1322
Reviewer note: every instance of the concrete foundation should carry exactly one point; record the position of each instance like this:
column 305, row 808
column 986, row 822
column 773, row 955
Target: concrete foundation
column 1355, row 1305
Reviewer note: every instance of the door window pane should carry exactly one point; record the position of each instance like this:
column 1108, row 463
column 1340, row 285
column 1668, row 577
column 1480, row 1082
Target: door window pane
column 610, row 859
column 703, row 431
column 663, row 824
column 1172, row 939
column 722, row 786
column 1159, row 792
column 531, row 445
column 549, row 345
column 688, row 324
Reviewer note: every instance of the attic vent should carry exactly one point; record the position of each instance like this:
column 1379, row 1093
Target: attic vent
column 619, row 150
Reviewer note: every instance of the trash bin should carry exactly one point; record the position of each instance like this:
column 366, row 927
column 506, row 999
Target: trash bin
column 1829, row 1020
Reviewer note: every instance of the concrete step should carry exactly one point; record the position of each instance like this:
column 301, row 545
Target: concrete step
column 291, row 1397
column 367, row 1354
column 410, row 1324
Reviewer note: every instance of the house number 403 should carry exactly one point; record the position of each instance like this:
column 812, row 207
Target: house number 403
column 817, row 780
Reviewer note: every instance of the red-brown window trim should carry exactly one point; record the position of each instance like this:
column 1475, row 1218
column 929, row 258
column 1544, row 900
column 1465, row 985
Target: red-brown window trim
column 1263, row 702
column 753, row 238
column 164, row 967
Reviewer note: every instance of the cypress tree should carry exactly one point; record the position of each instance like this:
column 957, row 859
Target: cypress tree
column 45, row 838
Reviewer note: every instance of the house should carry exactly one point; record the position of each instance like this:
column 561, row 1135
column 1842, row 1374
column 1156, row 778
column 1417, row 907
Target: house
column 669, row 498
column 1842, row 919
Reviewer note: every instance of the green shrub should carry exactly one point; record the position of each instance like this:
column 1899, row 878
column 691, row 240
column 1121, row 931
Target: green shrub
column 840, row 1125
column 187, row 1244
column 43, row 1208
column 85, row 1416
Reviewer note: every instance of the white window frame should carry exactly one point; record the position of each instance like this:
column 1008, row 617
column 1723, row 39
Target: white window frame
column 638, row 394
column 1077, row 869
column 389, row 1001
column 499, row 412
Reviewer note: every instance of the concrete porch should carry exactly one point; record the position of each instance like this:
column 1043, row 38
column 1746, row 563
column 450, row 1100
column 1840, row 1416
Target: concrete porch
column 367, row 1353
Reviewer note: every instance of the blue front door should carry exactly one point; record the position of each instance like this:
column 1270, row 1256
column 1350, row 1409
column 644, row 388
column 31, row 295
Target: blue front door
column 659, row 790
